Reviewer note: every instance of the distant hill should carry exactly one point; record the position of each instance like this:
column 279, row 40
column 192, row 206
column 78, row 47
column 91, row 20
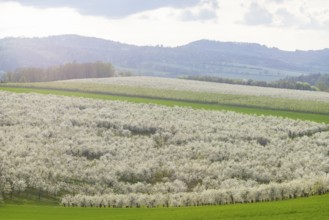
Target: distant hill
column 204, row 57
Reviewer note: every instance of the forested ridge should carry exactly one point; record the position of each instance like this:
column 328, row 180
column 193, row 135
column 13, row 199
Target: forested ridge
column 203, row 57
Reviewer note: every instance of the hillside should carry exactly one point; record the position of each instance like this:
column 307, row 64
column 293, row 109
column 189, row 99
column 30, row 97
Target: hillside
column 295, row 104
column 204, row 57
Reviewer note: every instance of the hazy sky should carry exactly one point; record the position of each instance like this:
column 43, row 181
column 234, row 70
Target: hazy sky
column 286, row 24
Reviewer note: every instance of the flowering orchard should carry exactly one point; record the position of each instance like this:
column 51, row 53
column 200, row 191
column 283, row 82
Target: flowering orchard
column 117, row 154
column 210, row 87
column 197, row 92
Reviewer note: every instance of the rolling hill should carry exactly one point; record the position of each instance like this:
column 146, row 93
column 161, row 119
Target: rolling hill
column 203, row 57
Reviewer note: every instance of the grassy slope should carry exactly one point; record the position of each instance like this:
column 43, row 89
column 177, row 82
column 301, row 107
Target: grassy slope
column 247, row 110
column 264, row 102
column 304, row 208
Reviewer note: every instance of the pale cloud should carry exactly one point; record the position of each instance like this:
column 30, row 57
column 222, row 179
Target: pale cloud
column 203, row 14
column 205, row 10
column 258, row 15
column 286, row 19
column 277, row 1
column 326, row 24
column 108, row 8
column 287, row 13
column 307, row 16
column 29, row 21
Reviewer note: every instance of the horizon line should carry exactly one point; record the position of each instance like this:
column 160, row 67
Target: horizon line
column 162, row 45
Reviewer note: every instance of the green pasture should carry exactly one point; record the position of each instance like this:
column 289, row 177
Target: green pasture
column 317, row 117
column 315, row 207
column 264, row 102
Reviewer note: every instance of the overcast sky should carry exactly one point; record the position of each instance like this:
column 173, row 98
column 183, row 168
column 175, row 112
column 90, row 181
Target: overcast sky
column 286, row 24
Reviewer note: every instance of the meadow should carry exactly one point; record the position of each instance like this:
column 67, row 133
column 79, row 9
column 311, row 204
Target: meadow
column 315, row 207
column 196, row 92
column 320, row 117
column 202, row 86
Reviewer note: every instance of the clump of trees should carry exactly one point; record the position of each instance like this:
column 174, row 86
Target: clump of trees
column 62, row 72
column 320, row 81
column 298, row 83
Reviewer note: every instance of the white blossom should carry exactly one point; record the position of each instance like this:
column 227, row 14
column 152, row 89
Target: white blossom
column 119, row 154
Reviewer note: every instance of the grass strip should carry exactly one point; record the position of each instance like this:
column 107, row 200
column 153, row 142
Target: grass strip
column 321, row 118
column 315, row 207
column 242, row 100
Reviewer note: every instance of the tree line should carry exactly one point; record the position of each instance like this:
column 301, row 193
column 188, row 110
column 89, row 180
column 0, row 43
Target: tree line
column 62, row 72
column 311, row 82
column 320, row 81
column 263, row 193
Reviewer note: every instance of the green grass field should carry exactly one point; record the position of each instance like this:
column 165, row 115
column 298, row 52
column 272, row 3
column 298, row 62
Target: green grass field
column 315, row 207
column 196, row 105
column 264, row 102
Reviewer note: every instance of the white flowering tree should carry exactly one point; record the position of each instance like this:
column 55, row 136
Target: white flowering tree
column 117, row 154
